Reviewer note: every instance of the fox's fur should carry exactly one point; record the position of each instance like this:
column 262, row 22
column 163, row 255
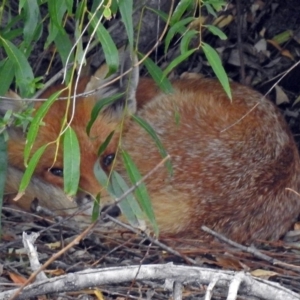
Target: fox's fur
column 234, row 163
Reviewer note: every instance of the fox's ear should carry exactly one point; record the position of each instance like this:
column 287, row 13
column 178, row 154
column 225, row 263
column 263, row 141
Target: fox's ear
column 126, row 84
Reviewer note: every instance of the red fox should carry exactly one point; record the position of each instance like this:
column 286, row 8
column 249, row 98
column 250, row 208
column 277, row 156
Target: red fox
column 236, row 165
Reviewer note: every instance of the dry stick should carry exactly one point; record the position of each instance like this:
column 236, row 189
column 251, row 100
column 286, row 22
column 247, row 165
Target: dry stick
column 251, row 250
column 54, row 257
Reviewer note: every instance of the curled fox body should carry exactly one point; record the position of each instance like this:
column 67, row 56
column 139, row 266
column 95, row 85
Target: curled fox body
column 235, row 164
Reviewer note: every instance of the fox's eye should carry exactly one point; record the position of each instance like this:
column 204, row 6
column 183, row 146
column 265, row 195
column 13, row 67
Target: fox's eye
column 57, row 172
column 108, row 159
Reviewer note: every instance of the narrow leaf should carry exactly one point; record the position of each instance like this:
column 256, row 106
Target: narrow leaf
column 186, row 39
column 178, row 60
column 96, row 208
column 23, row 71
column 104, row 145
column 141, row 192
column 129, row 205
column 101, row 104
column 108, row 46
column 30, row 168
column 180, row 10
column 7, row 75
column 157, row 141
column 64, row 46
column 56, row 10
column 69, row 5
column 216, row 31
column 35, row 124
column 71, row 162
column 116, row 188
column 101, row 176
column 210, row 9
column 178, row 27
column 32, row 17
column 216, row 64
column 125, row 7
column 158, row 76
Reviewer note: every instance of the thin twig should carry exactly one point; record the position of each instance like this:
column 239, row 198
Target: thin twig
column 251, row 250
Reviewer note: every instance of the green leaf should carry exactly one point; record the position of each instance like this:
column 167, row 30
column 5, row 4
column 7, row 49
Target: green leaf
column 216, row 64
column 160, row 13
column 71, row 162
column 30, row 168
column 129, row 205
column 108, row 46
column 178, row 60
column 64, row 46
column 12, row 34
column 96, row 208
column 32, row 17
column 104, row 145
column 116, row 188
column 125, row 7
column 35, row 124
column 158, row 76
column 69, row 5
column 3, row 168
column 11, row 24
column 216, row 31
column 185, row 41
column 56, row 10
column 157, row 141
column 283, row 37
column 180, row 9
column 21, row 4
column 80, row 56
column 23, row 71
column 210, row 10
column 216, row 4
column 80, row 10
column 98, row 107
column 6, row 75
column 102, row 178
column 178, row 27
column 141, row 192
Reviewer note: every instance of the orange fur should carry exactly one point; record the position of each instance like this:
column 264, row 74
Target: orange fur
column 233, row 162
